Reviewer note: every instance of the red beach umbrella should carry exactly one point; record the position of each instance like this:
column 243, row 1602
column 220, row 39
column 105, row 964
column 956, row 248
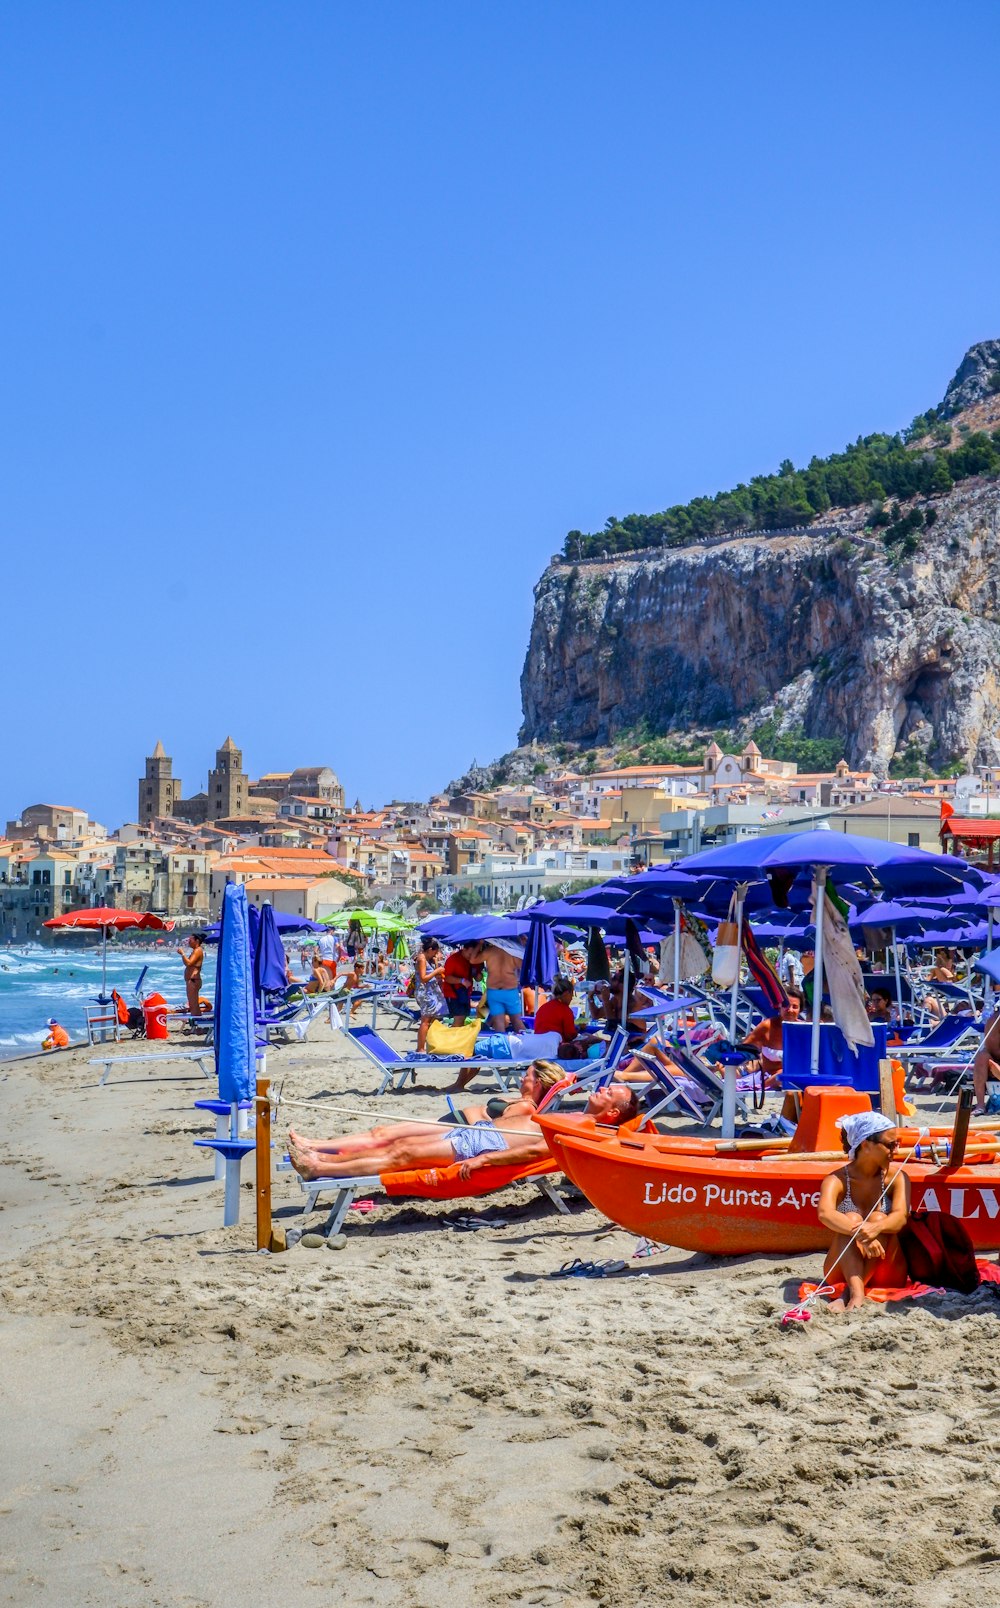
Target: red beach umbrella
column 100, row 919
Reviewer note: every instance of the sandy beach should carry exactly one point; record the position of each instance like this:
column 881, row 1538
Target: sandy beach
column 425, row 1416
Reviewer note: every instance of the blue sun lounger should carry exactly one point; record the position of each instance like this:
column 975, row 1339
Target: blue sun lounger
column 396, row 1068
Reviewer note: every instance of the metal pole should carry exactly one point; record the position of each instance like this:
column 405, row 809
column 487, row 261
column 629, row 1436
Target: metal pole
column 988, row 989
column 677, row 949
column 231, row 1208
column 729, row 1072
column 263, row 1160
column 625, row 983
column 899, row 985
column 734, row 997
column 819, row 900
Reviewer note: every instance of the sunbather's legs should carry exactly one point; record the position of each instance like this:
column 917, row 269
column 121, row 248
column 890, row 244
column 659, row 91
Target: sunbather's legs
column 430, row 1150
column 358, row 1144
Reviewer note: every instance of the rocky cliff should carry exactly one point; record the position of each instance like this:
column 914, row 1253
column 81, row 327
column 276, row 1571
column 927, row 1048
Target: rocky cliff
column 830, row 631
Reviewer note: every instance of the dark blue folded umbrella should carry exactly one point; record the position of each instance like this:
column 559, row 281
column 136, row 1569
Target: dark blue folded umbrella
column 540, row 963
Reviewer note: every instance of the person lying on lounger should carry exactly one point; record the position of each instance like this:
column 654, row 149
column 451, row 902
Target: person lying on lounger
column 479, row 1140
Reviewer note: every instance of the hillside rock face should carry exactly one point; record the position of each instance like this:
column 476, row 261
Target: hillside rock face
column 823, row 632
column 973, row 380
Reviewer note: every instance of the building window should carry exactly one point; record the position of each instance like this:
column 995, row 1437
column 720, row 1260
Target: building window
column 913, row 840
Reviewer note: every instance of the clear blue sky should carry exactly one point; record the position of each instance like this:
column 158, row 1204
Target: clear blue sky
column 322, row 323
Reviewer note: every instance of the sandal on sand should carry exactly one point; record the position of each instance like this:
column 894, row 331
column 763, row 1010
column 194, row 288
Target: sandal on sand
column 578, row 1269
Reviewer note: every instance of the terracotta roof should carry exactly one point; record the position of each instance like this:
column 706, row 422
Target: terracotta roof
column 966, row 826
column 270, row 884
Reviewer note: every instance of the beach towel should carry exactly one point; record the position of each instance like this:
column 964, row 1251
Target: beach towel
column 989, row 1273
column 694, row 961
column 763, row 975
column 844, row 982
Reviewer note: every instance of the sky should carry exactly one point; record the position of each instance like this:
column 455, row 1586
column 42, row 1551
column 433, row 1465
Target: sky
column 322, row 324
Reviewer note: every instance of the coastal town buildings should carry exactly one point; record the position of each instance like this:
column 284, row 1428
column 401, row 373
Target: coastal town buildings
column 290, row 840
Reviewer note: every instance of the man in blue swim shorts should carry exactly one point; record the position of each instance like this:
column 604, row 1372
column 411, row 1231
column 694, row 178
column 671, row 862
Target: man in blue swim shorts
column 503, row 957
column 513, row 1139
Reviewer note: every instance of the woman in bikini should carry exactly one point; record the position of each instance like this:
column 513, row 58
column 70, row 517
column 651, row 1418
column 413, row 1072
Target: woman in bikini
column 865, row 1209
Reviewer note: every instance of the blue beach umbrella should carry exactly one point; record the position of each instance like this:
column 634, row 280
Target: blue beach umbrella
column 269, row 964
column 540, row 963
column 458, row 929
column 898, row 868
column 235, row 1050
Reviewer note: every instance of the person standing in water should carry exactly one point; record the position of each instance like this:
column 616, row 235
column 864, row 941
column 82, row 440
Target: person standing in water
column 194, row 960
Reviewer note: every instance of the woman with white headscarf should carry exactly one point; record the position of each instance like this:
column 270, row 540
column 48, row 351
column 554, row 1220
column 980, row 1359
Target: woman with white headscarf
column 865, row 1210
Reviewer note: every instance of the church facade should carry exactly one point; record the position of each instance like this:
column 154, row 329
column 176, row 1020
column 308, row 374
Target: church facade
column 230, row 793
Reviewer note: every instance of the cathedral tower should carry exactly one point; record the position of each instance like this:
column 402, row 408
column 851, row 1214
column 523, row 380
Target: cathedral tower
column 159, row 788
column 227, row 785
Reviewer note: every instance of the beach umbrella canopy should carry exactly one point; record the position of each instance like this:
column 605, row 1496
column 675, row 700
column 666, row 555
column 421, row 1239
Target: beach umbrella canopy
column 369, row 920
column 100, row 919
column 283, row 920
column 458, row 929
column 898, row 868
column 269, row 964
column 989, row 965
column 540, row 963
column 235, row 1046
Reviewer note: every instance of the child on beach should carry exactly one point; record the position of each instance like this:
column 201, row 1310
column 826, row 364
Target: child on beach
column 58, row 1038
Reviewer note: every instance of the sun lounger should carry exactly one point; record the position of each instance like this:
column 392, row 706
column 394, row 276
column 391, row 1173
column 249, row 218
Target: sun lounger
column 947, row 1035
column 436, row 1183
column 298, row 1017
column 708, row 1086
column 205, row 1058
column 396, row 1068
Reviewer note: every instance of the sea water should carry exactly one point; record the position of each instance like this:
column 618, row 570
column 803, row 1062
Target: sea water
column 37, row 982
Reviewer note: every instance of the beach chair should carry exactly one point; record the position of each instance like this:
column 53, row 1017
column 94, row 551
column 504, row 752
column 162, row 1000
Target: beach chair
column 396, row 1068
column 205, row 1058
column 949, row 1034
column 103, row 1024
column 439, row 1183
column 708, row 1086
column 295, row 1019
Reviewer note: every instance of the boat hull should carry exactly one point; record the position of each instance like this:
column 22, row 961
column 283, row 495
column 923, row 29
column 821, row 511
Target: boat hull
column 741, row 1207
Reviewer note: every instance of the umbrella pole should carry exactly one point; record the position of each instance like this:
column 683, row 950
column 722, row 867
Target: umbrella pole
column 104, row 964
column 899, row 984
column 819, row 911
column 625, row 983
column 677, row 949
column 734, row 997
column 988, row 989
column 729, row 1071
column 262, row 1133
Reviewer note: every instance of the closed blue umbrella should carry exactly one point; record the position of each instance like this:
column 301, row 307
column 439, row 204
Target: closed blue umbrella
column 540, row 963
column 235, row 1049
column 269, row 964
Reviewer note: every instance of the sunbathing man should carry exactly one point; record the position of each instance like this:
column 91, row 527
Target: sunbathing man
column 510, row 1139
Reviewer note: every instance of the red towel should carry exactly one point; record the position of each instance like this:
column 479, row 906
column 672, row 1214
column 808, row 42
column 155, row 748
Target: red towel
column 989, row 1273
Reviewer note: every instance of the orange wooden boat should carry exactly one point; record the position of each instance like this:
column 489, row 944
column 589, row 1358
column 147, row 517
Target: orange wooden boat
column 685, row 1192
